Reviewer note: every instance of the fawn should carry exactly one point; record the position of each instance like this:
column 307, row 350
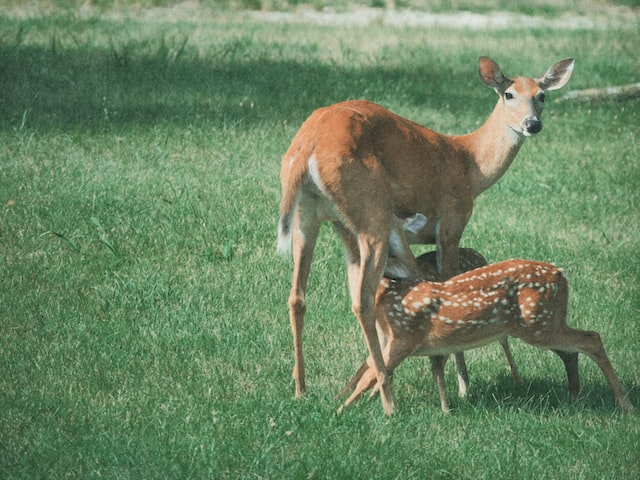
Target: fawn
column 519, row 298
column 428, row 271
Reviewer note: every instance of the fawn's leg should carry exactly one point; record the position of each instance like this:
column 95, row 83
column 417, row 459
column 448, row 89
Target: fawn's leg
column 352, row 260
column 463, row 375
column 570, row 360
column 351, row 384
column 437, row 370
column 394, row 353
column 448, row 233
column 590, row 343
column 504, row 341
column 373, row 255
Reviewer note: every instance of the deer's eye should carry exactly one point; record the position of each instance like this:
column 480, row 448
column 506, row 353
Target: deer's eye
column 541, row 97
column 508, row 95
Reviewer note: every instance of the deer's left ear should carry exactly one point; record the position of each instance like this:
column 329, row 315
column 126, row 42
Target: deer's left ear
column 557, row 75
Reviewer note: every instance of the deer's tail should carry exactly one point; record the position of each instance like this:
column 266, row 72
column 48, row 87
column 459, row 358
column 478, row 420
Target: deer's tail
column 292, row 179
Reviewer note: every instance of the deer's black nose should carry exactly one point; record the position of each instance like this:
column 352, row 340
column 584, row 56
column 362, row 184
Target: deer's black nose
column 533, row 125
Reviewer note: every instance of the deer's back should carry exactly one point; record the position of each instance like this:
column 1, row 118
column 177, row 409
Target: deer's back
column 475, row 307
column 360, row 141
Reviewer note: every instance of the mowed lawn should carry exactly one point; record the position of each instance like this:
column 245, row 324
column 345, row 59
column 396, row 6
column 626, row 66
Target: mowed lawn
column 144, row 328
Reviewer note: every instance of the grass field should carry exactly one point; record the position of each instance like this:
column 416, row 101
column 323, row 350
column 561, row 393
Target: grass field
column 143, row 321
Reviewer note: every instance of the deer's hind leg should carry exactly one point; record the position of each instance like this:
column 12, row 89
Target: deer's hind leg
column 304, row 233
column 504, row 342
column 373, row 256
column 570, row 341
column 352, row 260
column 570, row 360
column 366, row 256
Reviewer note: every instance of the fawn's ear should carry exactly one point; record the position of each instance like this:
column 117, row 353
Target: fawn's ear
column 557, row 75
column 492, row 76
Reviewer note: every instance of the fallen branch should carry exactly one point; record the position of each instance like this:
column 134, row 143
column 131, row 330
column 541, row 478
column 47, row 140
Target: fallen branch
column 620, row 92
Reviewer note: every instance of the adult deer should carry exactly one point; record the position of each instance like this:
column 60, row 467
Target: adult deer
column 365, row 169
column 518, row 298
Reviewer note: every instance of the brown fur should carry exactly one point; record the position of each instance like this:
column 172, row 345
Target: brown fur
column 470, row 259
column 518, row 298
column 365, row 169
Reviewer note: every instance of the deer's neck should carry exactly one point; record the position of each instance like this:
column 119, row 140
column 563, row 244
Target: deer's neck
column 493, row 148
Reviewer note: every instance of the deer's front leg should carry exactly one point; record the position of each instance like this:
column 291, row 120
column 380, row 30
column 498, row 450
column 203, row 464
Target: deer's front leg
column 447, row 250
column 463, row 374
column 437, row 370
column 448, row 233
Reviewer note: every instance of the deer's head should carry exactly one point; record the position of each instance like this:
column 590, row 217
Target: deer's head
column 523, row 98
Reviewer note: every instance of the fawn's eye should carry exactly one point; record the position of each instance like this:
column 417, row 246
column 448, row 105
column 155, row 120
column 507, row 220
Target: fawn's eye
column 541, row 97
column 508, row 95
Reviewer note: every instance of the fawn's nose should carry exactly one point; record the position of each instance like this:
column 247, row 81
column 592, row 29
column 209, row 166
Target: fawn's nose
column 532, row 125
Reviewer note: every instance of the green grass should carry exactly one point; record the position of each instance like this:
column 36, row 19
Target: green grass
column 143, row 320
column 549, row 8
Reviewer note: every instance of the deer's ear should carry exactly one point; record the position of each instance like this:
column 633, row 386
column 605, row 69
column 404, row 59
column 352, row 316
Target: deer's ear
column 491, row 75
column 557, row 75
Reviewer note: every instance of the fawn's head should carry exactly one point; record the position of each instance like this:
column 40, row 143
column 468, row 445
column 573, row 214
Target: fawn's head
column 523, row 98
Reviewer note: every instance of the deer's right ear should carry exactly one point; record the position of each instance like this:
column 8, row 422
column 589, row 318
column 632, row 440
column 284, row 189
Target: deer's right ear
column 491, row 75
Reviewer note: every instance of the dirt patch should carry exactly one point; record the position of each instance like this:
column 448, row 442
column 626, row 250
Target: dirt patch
column 613, row 18
column 604, row 17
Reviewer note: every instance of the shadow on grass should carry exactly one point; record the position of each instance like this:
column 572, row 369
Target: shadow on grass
column 535, row 396
column 107, row 88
